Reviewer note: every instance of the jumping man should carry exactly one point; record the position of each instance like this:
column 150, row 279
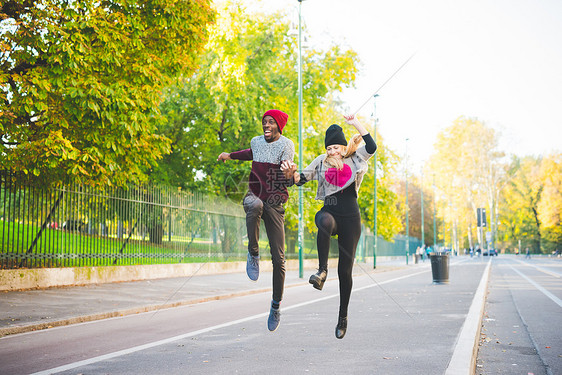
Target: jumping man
column 264, row 200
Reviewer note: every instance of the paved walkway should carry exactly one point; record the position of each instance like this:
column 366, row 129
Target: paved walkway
column 24, row 311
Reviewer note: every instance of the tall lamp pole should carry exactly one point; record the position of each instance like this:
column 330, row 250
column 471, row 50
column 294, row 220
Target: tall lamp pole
column 421, row 191
column 301, row 221
column 407, row 209
column 452, row 227
column 444, row 224
column 434, row 221
column 375, row 188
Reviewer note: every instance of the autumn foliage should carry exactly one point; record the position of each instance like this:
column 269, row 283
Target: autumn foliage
column 81, row 83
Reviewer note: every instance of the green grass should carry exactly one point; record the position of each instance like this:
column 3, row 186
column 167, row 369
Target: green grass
column 58, row 248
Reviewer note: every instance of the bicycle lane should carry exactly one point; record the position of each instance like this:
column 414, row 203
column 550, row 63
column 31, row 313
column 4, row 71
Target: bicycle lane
column 520, row 332
column 399, row 323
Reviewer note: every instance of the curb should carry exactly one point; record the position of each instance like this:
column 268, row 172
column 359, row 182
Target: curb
column 130, row 311
column 463, row 360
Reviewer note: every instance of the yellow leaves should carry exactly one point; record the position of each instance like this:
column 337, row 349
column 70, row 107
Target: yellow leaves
column 550, row 204
column 228, row 39
column 466, row 167
column 533, row 200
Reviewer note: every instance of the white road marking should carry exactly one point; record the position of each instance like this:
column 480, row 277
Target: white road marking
column 552, row 273
column 557, row 300
column 134, row 349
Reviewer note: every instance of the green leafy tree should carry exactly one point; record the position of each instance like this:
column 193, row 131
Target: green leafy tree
column 531, row 206
column 249, row 66
column 389, row 221
column 550, row 205
column 81, row 83
column 521, row 197
column 415, row 207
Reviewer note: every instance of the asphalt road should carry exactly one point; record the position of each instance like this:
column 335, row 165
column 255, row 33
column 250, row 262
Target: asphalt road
column 521, row 331
column 399, row 323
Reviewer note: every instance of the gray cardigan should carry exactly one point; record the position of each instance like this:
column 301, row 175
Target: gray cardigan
column 330, row 180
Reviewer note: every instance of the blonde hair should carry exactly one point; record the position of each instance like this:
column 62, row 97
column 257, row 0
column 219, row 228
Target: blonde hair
column 348, row 150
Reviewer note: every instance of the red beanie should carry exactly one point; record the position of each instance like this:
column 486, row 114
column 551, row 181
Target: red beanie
column 279, row 116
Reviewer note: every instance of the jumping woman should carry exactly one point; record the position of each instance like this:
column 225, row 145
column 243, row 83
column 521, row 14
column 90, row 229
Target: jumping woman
column 339, row 173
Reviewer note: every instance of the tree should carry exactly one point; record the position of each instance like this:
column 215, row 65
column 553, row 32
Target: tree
column 249, row 66
column 415, row 206
column 468, row 170
column 81, row 83
column 531, row 206
column 550, row 205
column 521, row 197
column 389, row 215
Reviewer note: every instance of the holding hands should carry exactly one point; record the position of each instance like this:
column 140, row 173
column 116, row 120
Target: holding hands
column 289, row 170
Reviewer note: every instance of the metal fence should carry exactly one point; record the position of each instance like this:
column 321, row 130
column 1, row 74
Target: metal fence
column 396, row 248
column 76, row 225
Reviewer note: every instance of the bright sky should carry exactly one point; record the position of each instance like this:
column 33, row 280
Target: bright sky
column 499, row 61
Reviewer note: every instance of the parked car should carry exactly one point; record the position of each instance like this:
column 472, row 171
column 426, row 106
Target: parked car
column 490, row 252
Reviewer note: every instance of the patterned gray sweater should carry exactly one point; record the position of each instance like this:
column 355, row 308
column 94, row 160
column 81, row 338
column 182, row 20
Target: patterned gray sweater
column 266, row 178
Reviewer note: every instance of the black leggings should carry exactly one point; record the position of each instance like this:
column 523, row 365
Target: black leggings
column 348, row 230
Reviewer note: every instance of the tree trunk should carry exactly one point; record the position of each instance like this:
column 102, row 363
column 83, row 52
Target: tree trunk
column 291, row 242
column 156, row 233
column 538, row 223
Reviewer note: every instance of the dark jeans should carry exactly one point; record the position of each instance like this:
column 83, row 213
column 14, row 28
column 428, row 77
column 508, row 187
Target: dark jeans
column 273, row 216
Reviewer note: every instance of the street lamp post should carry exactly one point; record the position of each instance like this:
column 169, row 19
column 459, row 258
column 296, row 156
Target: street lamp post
column 375, row 188
column 434, row 221
column 421, row 192
column 444, row 224
column 452, row 227
column 407, row 209
column 301, row 221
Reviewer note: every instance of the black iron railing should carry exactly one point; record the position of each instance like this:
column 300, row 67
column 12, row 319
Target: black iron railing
column 77, row 225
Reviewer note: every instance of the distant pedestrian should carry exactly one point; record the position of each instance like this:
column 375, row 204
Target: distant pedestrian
column 417, row 254
column 265, row 199
column 339, row 173
column 527, row 254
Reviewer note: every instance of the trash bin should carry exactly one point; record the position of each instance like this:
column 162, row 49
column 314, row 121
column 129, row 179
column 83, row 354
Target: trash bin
column 440, row 267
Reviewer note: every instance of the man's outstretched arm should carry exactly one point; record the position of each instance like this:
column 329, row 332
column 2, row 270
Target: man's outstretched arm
column 237, row 155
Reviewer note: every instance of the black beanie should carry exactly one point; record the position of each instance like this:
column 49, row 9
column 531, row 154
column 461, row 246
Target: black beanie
column 335, row 136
